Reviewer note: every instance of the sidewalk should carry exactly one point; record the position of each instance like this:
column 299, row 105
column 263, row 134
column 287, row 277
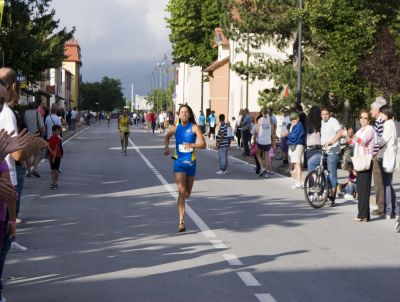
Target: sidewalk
column 279, row 168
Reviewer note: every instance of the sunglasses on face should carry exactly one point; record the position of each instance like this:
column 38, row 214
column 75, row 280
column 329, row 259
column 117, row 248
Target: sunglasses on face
column 363, row 118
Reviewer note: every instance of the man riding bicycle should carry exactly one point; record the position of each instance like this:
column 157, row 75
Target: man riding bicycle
column 331, row 132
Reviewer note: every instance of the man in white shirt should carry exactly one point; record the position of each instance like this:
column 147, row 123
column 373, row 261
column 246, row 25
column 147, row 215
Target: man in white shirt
column 52, row 119
column 331, row 132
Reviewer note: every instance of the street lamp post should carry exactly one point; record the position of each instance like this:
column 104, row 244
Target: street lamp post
column 299, row 58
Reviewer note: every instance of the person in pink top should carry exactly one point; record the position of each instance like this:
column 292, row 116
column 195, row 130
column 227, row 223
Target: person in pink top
column 365, row 139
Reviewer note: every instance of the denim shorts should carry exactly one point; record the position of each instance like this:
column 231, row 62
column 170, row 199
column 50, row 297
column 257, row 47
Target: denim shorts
column 188, row 167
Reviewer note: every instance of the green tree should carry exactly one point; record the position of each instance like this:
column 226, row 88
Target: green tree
column 192, row 23
column 337, row 33
column 105, row 95
column 162, row 99
column 30, row 37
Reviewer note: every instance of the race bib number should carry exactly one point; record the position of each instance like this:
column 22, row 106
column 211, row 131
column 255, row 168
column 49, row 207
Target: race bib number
column 183, row 149
column 212, row 124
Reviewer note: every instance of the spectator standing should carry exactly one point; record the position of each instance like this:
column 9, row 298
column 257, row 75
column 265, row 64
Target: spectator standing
column 51, row 120
column 296, row 148
column 387, row 156
column 376, row 169
column 212, row 121
column 264, row 139
column 34, row 124
column 284, row 135
column 364, row 141
column 222, row 145
column 153, row 121
column 8, row 121
column 313, row 138
column 74, row 116
column 238, row 129
column 202, row 122
column 246, row 135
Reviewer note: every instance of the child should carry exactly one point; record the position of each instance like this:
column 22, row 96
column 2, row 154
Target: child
column 349, row 189
column 55, row 154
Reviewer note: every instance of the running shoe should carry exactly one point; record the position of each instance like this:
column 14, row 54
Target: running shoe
column 36, row 174
column 220, row 172
column 15, row 247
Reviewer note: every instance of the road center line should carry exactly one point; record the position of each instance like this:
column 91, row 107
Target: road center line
column 265, row 298
column 219, row 244
column 191, row 213
column 232, row 259
column 248, row 279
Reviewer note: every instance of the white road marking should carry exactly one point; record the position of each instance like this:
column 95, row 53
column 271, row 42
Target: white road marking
column 79, row 132
column 192, row 214
column 219, row 244
column 265, row 298
column 232, row 259
column 248, row 279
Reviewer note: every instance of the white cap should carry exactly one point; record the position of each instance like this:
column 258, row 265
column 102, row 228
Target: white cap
column 379, row 102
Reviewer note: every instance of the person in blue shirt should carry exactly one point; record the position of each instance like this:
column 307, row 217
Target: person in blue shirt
column 296, row 148
column 202, row 122
column 212, row 122
column 188, row 138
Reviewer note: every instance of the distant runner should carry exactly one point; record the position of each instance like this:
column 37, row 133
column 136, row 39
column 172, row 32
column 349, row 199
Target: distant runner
column 186, row 133
column 123, row 126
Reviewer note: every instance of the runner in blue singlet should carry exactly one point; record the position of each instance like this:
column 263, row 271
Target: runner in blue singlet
column 186, row 133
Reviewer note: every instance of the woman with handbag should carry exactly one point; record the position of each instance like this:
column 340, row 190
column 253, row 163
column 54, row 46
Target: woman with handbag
column 364, row 141
column 388, row 161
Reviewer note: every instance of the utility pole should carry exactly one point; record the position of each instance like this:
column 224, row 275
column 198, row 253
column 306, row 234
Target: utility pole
column 133, row 106
column 299, row 58
column 247, row 73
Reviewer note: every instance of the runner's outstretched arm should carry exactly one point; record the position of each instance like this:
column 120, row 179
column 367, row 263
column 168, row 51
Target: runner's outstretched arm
column 171, row 132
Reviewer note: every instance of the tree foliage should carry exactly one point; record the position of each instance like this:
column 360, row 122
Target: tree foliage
column 162, row 99
column 336, row 36
column 105, row 95
column 381, row 66
column 31, row 39
column 192, row 23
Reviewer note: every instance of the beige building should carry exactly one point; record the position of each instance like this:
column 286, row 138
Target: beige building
column 72, row 64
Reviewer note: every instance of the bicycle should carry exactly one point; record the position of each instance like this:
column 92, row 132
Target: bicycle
column 317, row 183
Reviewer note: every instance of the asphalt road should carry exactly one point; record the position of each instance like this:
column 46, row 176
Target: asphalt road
column 109, row 233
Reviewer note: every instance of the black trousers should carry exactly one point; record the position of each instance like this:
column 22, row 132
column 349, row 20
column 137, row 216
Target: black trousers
column 364, row 192
column 246, row 140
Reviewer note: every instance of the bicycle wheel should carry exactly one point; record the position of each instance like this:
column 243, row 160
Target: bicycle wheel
column 316, row 189
column 278, row 153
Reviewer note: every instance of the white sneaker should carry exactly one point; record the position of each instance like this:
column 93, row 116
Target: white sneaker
column 296, row 186
column 15, row 247
column 220, row 172
column 348, row 196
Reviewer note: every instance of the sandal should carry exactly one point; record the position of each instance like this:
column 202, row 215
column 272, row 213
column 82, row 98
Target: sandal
column 181, row 227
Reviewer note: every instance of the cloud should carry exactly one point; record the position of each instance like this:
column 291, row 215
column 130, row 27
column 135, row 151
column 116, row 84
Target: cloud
column 116, row 32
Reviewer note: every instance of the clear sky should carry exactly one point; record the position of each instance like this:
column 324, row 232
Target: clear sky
column 122, row 39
